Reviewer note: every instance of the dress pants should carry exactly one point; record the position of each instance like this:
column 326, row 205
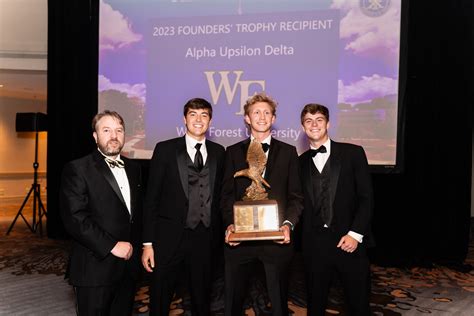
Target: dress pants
column 193, row 257
column 275, row 259
column 106, row 300
column 322, row 260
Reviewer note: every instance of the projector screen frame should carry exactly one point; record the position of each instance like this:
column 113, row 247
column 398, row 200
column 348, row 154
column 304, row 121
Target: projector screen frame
column 399, row 165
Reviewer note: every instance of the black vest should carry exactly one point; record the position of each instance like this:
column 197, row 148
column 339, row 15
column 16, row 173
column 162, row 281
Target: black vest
column 322, row 213
column 199, row 209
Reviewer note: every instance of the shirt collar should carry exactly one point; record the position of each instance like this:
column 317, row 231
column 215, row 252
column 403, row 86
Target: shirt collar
column 191, row 142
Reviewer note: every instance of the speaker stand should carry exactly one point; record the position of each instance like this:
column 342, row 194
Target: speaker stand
column 38, row 208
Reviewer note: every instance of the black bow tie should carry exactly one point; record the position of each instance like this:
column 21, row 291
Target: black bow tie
column 321, row 150
column 265, row 147
column 115, row 163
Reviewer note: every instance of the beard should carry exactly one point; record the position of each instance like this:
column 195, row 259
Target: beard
column 110, row 148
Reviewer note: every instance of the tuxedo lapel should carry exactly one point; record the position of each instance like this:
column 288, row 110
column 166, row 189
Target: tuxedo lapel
column 335, row 161
column 133, row 182
column 212, row 163
column 104, row 169
column 272, row 156
column 182, row 158
column 307, row 175
column 245, row 147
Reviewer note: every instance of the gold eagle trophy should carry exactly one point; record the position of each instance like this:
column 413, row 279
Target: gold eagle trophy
column 255, row 217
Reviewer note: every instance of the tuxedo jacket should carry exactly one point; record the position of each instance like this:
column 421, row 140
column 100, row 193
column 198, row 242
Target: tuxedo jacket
column 94, row 213
column 281, row 173
column 167, row 202
column 351, row 193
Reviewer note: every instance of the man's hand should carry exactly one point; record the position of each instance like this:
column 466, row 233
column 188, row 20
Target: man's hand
column 122, row 249
column 230, row 229
column 348, row 244
column 287, row 233
column 148, row 258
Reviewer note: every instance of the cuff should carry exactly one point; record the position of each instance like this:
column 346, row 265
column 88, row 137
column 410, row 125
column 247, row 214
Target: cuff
column 356, row 236
column 289, row 224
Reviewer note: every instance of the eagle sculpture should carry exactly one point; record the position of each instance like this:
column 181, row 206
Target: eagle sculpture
column 257, row 161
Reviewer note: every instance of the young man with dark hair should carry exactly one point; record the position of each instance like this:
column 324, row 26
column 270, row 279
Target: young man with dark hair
column 181, row 218
column 337, row 215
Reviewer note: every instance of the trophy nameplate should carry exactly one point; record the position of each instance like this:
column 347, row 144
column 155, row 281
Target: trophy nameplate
column 256, row 220
column 255, row 217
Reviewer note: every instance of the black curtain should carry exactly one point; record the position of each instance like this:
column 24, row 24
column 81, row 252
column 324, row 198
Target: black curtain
column 72, row 91
column 422, row 215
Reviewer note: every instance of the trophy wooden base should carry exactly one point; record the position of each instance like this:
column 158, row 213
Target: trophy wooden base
column 245, row 236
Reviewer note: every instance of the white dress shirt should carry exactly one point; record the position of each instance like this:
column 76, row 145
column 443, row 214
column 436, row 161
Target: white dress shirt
column 122, row 180
column 190, row 148
column 321, row 158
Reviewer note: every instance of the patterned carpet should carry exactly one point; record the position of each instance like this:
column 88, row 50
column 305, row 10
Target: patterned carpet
column 32, row 269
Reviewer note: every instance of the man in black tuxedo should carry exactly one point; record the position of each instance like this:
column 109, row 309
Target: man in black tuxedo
column 101, row 208
column 181, row 219
column 337, row 215
column 282, row 174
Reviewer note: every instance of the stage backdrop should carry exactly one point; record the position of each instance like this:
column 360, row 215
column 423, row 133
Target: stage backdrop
column 155, row 55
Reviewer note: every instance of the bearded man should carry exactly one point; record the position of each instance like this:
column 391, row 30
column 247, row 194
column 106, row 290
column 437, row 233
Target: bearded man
column 101, row 207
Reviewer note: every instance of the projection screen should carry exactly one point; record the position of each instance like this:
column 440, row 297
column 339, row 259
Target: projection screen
column 345, row 54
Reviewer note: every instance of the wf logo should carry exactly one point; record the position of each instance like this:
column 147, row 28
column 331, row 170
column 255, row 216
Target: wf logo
column 230, row 90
